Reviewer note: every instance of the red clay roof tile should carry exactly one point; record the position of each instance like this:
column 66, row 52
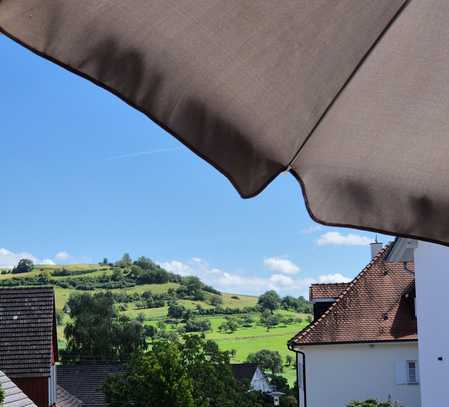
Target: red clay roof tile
column 318, row 291
column 372, row 308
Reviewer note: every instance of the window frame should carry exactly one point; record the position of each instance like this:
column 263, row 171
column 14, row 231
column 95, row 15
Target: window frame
column 414, row 369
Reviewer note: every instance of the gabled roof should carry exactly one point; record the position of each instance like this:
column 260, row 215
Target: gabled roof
column 27, row 328
column 325, row 291
column 85, row 380
column 65, row 399
column 14, row 397
column 373, row 308
column 244, row 372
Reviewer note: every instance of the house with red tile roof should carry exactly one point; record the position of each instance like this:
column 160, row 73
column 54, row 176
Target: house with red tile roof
column 363, row 341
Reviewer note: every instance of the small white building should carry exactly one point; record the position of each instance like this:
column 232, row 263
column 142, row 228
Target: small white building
column 363, row 342
column 251, row 375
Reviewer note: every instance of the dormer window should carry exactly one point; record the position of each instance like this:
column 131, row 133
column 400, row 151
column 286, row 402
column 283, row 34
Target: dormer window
column 321, row 306
column 410, row 298
column 323, row 296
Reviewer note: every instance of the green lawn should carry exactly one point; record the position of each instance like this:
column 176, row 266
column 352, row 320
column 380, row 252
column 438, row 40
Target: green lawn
column 9, row 275
column 249, row 340
column 38, row 269
column 239, row 301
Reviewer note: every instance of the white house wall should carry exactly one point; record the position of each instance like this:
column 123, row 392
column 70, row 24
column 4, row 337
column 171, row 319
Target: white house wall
column 432, row 284
column 338, row 374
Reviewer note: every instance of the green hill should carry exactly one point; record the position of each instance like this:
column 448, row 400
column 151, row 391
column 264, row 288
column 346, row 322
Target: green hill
column 144, row 292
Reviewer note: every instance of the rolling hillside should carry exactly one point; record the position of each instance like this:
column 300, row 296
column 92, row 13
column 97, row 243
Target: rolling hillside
column 132, row 299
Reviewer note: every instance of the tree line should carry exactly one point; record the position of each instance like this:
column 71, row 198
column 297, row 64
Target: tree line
column 175, row 370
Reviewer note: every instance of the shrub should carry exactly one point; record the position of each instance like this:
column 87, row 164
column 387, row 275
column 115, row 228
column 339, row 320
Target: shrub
column 197, row 325
column 60, row 317
column 216, row 300
column 229, row 326
column 370, row 403
column 247, row 321
column 176, row 311
column 24, row 266
column 269, row 320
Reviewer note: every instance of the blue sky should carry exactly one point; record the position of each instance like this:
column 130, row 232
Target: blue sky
column 84, row 176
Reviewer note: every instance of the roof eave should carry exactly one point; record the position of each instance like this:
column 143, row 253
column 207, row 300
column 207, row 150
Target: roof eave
column 294, row 345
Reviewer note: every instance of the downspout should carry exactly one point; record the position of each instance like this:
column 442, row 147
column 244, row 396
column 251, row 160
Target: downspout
column 291, row 348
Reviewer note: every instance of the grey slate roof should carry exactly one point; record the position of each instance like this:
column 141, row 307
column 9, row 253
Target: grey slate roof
column 26, row 330
column 65, row 399
column 14, row 397
column 85, row 380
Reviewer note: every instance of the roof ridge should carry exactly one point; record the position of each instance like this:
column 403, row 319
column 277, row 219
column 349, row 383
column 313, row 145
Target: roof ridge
column 343, row 294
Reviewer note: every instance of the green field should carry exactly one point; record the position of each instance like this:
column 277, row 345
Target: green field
column 244, row 341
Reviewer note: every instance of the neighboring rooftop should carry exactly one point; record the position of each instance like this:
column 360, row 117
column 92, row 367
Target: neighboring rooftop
column 244, row 372
column 374, row 307
column 326, row 291
column 65, row 399
column 14, row 397
column 26, row 331
column 85, row 380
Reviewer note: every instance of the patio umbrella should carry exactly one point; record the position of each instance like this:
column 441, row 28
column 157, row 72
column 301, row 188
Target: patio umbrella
column 350, row 96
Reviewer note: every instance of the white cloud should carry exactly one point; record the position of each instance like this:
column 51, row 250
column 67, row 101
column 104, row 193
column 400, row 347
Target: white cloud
column 334, row 278
column 9, row 259
column 311, row 229
column 177, row 267
column 48, row 262
column 62, row 255
column 339, row 239
column 281, row 280
column 281, row 265
column 243, row 283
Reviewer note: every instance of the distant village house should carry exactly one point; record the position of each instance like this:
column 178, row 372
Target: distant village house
column 29, row 349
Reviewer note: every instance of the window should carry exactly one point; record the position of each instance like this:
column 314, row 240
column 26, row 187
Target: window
column 407, row 372
column 412, row 372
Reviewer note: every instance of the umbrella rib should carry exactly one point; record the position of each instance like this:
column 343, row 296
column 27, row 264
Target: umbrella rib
column 345, row 84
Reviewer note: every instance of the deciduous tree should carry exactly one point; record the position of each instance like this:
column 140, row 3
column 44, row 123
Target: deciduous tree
column 24, row 266
column 191, row 372
column 95, row 331
column 269, row 301
column 267, row 360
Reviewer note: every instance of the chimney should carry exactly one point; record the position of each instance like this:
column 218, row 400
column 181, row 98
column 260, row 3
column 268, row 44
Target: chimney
column 376, row 247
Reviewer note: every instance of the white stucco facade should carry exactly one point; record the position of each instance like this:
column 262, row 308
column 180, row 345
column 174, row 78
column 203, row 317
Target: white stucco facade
column 338, row 374
column 259, row 382
column 432, row 283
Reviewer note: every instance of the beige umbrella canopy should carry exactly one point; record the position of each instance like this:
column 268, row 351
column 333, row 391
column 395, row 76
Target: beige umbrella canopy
column 351, row 96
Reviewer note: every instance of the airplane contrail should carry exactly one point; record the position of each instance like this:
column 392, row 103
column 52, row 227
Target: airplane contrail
column 142, row 153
